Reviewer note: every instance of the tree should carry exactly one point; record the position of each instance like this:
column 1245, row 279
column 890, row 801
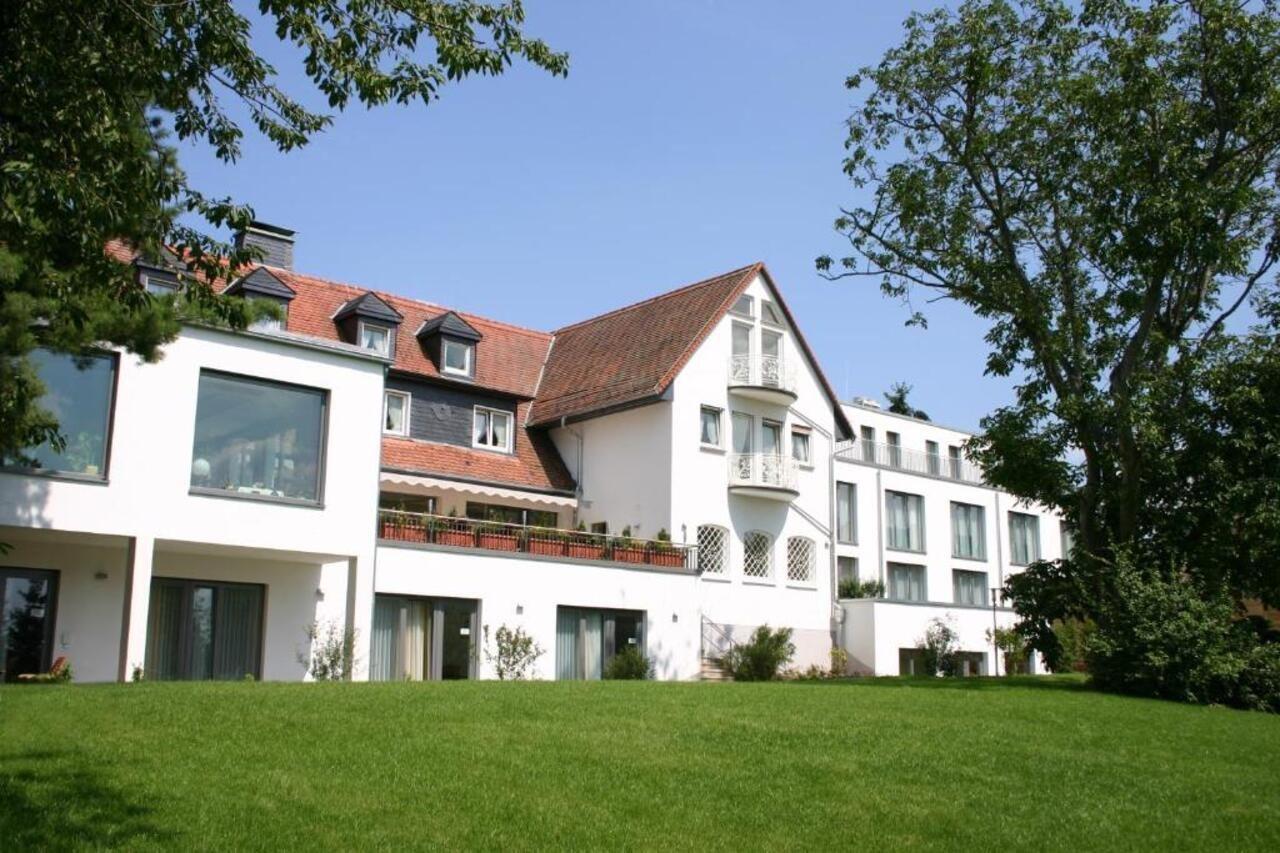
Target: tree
column 1098, row 182
column 92, row 95
column 898, row 403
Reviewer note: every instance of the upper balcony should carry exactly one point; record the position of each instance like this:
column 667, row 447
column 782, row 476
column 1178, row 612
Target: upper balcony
column 766, row 378
column 552, row 543
column 896, row 457
column 763, row 475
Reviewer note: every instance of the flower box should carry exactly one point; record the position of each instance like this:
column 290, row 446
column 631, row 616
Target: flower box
column 546, row 546
column 497, row 541
column 585, row 551
column 457, row 538
column 399, row 531
column 667, row 557
column 628, row 554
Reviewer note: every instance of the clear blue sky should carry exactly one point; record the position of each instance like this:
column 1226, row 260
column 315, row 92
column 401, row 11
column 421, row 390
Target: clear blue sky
column 690, row 137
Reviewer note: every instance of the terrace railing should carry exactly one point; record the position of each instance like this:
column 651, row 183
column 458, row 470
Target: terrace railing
column 763, row 371
column 451, row 531
column 895, row 456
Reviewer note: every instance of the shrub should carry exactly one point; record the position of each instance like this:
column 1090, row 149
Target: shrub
column 1013, row 647
column 514, row 655
column 630, row 664
column 760, row 658
column 939, row 645
column 1073, row 637
column 854, row 588
column 839, row 662
column 330, row 651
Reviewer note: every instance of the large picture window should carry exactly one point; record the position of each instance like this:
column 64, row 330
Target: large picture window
column 586, row 640
column 968, row 531
column 256, row 438
column 904, row 522
column 78, row 392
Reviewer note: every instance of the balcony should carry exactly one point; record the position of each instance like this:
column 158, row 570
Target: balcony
column 895, row 457
column 766, row 378
column 763, row 475
column 418, row 528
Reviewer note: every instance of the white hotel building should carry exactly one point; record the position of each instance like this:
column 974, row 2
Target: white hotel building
column 668, row 475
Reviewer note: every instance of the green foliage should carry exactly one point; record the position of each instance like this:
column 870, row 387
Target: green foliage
column 95, row 97
column 854, row 588
column 1012, row 646
column 896, row 396
column 1072, row 637
column 630, row 664
column 1098, row 183
column 330, row 651
column 938, row 646
column 762, row 657
column 514, row 655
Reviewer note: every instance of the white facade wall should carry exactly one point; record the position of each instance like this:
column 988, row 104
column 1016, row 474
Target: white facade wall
column 156, row 527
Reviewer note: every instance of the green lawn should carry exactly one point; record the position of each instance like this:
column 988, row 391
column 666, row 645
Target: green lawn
column 980, row 764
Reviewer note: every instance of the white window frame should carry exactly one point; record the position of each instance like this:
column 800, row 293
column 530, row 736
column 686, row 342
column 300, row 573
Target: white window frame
column 757, row 568
column 719, row 413
column 751, row 306
column 468, row 348
column 807, row 461
column 491, row 412
column 766, row 307
column 802, row 560
column 408, row 399
column 361, row 326
column 713, row 550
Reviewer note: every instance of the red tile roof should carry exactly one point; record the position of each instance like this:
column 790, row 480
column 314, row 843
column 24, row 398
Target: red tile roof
column 630, row 355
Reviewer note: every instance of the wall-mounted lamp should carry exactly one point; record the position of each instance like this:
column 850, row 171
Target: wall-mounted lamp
column 319, row 594
column 519, row 609
column 675, row 617
column 100, row 575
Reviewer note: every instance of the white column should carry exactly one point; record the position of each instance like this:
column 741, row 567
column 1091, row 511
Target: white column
column 137, row 602
column 360, row 612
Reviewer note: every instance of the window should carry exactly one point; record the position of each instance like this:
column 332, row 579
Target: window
column 895, row 448
column 492, row 429
column 744, row 307
column 402, row 502
column 203, row 630
column 968, row 531
column 395, row 413
column 27, row 599
column 511, row 514
column 770, row 314
column 78, row 392
column 907, row 583
column 599, row 527
column 419, row 639
column 932, row 458
column 710, row 431
column 771, row 432
column 800, row 446
column 905, row 521
column 911, row 662
column 757, row 555
column 158, row 286
column 258, row 438
column 953, row 462
column 270, row 324
column 743, row 426
column 846, row 570
column 713, row 544
column 587, row 640
column 1068, row 537
column 771, row 359
column 801, row 558
column 846, row 513
column 970, row 664
column 969, row 587
column 456, row 357
column 1024, row 538
column 375, row 338
column 868, row 444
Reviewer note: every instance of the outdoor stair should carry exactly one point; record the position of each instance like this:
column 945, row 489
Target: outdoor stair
column 713, row 671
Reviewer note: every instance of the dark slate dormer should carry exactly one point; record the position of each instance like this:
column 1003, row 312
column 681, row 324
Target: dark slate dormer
column 263, row 284
column 159, row 280
column 450, row 342
column 369, row 322
column 275, row 243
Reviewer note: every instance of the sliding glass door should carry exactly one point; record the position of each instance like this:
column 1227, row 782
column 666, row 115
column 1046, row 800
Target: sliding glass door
column 204, row 630
column 419, row 639
column 27, row 599
column 586, row 640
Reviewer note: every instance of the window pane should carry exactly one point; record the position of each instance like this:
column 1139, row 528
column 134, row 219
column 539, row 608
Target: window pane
column 741, row 339
column 78, row 394
column 846, row 522
column 395, row 413
column 742, row 425
column 800, row 446
column 711, row 426
column 501, row 429
column 457, row 357
column 1024, row 538
column 772, row 438
column 934, row 461
column 970, row 587
column 375, row 338
column 906, row 583
column 770, row 313
column 743, row 307
column 905, row 521
column 847, row 569
column 257, row 438
column 482, row 427
column 968, row 531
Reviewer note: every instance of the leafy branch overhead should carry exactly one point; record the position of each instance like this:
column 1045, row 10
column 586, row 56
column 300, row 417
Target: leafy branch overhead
column 93, row 97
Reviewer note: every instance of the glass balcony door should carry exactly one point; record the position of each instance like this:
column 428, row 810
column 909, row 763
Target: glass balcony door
column 423, row 639
column 204, row 630
column 27, row 599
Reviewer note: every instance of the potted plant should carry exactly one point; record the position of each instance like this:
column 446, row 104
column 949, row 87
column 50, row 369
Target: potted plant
column 546, row 541
column 627, row 550
column 456, row 532
column 496, row 537
column 585, row 546
column 663, row 553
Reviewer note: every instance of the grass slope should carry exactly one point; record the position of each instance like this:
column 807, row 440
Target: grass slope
column 929, row 764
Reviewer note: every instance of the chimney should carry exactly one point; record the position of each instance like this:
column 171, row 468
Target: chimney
column 275, row 242
column 868, row 402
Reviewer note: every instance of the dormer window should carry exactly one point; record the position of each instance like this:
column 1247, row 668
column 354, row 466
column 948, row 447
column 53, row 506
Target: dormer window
column 744, row 307
column 270, row 324
column 375, row 338
column 263, row 284
column 456, row 357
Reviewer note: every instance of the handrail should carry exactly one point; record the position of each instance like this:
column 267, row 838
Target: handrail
column 897, row 457
column 717, row 631
column 427, row 528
